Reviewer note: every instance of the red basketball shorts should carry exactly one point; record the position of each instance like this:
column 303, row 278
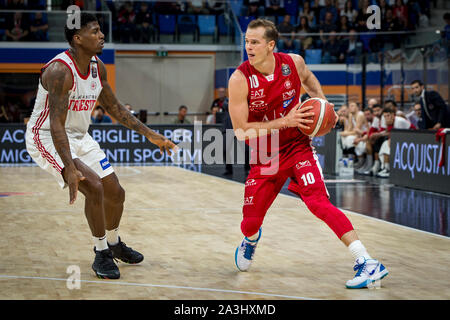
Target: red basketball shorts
column 307, row 182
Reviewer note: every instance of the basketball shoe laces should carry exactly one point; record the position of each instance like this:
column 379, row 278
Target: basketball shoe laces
column 107, row 260
column 249, row 251
column 361, row 268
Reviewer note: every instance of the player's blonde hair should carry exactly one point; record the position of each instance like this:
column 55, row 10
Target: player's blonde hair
column 271, row 30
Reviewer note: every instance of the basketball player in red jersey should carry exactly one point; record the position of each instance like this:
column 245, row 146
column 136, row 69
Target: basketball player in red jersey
column 57, row 139
column 264, row 96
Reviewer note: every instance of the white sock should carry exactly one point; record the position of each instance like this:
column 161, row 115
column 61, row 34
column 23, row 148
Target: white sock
column 100, row 243
column 113, row 236
column 357, row 249
column 254, row 237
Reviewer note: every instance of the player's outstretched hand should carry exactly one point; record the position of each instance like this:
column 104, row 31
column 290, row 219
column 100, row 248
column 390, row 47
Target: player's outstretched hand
column 73, row 178
column 163, row 143
column 299, row 117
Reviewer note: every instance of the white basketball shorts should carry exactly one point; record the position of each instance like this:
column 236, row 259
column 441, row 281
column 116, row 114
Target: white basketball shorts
column 41, row 148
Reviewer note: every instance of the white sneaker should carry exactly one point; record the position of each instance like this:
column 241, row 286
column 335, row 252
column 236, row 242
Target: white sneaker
column 383, row 173
column 368, row 271
column 243, row 255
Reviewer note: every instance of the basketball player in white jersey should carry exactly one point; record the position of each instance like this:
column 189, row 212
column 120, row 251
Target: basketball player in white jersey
column 58, row 141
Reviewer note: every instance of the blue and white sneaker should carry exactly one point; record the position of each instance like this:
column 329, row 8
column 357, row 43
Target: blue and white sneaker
column 243, row 256
column 368, row 271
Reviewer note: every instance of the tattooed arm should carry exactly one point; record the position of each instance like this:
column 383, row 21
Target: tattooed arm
column 57, row 80
column 109, row 101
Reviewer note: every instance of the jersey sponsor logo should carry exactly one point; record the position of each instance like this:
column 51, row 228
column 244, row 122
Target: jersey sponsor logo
column 287, row 84
column 105, row 164
column 248, row 201
column 81, row 105
column 285, row 70
column 250, row 183
column 93, row 85
column 257, row 94
column 269, row 77
column 289, row 94
column 302, row 164
column 287, row 103
column 258, row 106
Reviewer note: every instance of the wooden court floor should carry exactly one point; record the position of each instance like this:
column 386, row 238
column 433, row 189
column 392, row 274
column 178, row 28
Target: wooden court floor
column 187, row 226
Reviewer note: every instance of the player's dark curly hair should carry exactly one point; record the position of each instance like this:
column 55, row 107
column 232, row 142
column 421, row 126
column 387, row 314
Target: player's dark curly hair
column 85, row 18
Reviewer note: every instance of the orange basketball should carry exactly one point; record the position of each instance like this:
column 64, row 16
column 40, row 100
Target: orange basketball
column 324, row 117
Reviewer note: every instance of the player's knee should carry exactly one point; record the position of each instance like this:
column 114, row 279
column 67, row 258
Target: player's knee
column 95, row 189
column 251, row 225
column 319, row 206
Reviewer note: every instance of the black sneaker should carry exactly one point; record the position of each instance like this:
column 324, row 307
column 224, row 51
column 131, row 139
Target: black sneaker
column 126, row 254
column 104, row 266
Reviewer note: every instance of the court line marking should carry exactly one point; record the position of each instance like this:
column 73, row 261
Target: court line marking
column 149, row 285
column 349, row 211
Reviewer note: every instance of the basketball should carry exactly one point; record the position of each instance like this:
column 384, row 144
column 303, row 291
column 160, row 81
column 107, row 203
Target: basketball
column 324, row 117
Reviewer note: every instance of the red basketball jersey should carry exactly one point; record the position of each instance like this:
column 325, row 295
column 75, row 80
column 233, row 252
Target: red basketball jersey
column 271, row 97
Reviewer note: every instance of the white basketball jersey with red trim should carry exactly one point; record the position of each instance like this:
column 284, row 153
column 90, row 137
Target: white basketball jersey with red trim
column 82, row 99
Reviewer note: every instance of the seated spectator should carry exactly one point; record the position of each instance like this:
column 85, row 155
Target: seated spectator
column 332, row 50
column 303, row 27
column 99, row 116
column 388, row 25
column 414, row 116
column 275, row 8
column 392, row 121
column 253, row 8
column 166, row 7
column 221, row 99
column 373, row 143
column 144, row 24
column 181, row 118
column 307, row 12
column 197, row 7
column 287, row 42
column 329, row 8
column 17, row 28
column 349, row 12
column 16, row 5
column 355, row 127
column 211, row 118
column 383, row 8
column 435, row 112
column 344, row 25
column 39, row 28
column 326, row 27
column 447, row 26
column 343, row 116
column 352, row 46
column 126, row 20
column 362, row 17
column 216, row 7
column 400, row 11
column 372, row 102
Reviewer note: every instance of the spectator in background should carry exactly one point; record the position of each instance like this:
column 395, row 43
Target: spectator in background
column 435, row 112
column 414, row 116
column 16, row 5
column 126, row 22
column 17, row 27
column 130, row 108
column 197, row 7
column 99, row 116
column 372, row 102
column 332, row 50
column 388, row 25
column 326, row 27
column 349, row 12
column 275, row 8
column 39, row 28
column 253, row 8
column 303, row 27
column 216, row 7
column 221, row 99
column 307, row 12
column 352, row 46
column 446, row 33
column 383, row 8
column 287, row 42
column 181, row 118
column 361, row 18
column 400, row 11
column 355, row 127
column 329, row 8
column 344, row 25
column 144, row 24
column 392, row 122
column 211, row 118
column 343, row 116
column 166, row 7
